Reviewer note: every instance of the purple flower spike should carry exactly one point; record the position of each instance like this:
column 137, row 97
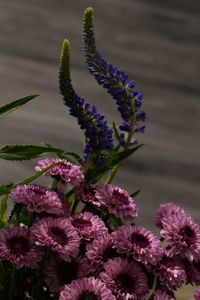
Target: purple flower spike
column 16, row 247
column 125, row 279
column 88, row 226
column 183, row 236
column 86, row 288
column 59, row 235
column 139, row 242
column 114, row 80
column 38, row 199
column 117, row 201
column 65, row 171
column 59, row 272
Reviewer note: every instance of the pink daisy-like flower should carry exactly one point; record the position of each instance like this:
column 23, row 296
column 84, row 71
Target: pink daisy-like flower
column 59, row 235
column 183, row 236
column 86, row 193
column 192, row 270
column 38, row 199
column 125, row 279
column 166, row 210
column 99, row 251
column 117, row 201
column 162, row 295
column 58, row 272
column 171, row 272
column 16, row 247
column 86, row 288
column 196, row 295
column 66, row 171
column 88, row 226
column 141, row 243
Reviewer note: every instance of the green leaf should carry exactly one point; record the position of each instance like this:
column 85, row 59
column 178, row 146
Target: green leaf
column 25, row 152
column 5, row 189
column 116, row 158
column 116, row 132
column 151, row 297
column 15, row 104
column 3, row 210
column 135, row 193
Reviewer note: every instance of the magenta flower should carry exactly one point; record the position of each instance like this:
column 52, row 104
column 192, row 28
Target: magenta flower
column 38, row 199
column 58, row 272
column 88, row 226
column 183, row 236
column 59, row 235
column 65, row 171
column 192, row 271
column 139, row 242
column 86, row 287
column 171, row 272
column 163, row 295
column 86, row 193
column 197, row 294
column 99, row 251
column 16, row 247
column 125, row 279
column 165, row 211
column 117, row 201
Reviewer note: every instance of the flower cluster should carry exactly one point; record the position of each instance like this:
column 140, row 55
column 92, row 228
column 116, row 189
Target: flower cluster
column 84, row 255
column 78, row 238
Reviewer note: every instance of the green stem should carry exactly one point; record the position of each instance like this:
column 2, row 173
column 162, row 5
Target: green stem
column 2, row 275
column 74, row 206
column 153, row 287
column 118, row 166
column 40, row 276
column 12, row 284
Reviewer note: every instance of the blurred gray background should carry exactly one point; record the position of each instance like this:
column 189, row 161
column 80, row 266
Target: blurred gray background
column 156, row 42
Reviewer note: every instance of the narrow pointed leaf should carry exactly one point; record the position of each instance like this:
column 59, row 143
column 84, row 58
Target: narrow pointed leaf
column 120, row 156
column 26, row 152
column 135, row 193
column 15, row 104
column 5, row 189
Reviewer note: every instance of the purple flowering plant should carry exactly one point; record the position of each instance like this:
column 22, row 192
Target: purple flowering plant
column 79, row 239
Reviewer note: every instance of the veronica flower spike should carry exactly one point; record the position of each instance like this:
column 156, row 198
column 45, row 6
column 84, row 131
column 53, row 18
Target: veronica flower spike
column 114, row 80
column 98, row 135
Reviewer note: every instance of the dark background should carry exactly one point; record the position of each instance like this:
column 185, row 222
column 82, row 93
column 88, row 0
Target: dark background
column 156, row 42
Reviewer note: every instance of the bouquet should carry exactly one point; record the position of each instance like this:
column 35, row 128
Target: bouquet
column 78, row 237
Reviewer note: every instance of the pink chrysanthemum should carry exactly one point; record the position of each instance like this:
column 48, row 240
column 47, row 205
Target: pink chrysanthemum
column 59, row 235
column 171, row 272
column 86, row 193
column 141, row 243
column 117, row 201
column 183, row 236
column 86, row 287
column 125, row 279
column 162, row 295
column 192, row 271
column 99, row 251
column 166, row 210
column 58, row 272
column 66, row 171
column 16, row 247
column 88, row 226
column 38, row 199
column 197, row 294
